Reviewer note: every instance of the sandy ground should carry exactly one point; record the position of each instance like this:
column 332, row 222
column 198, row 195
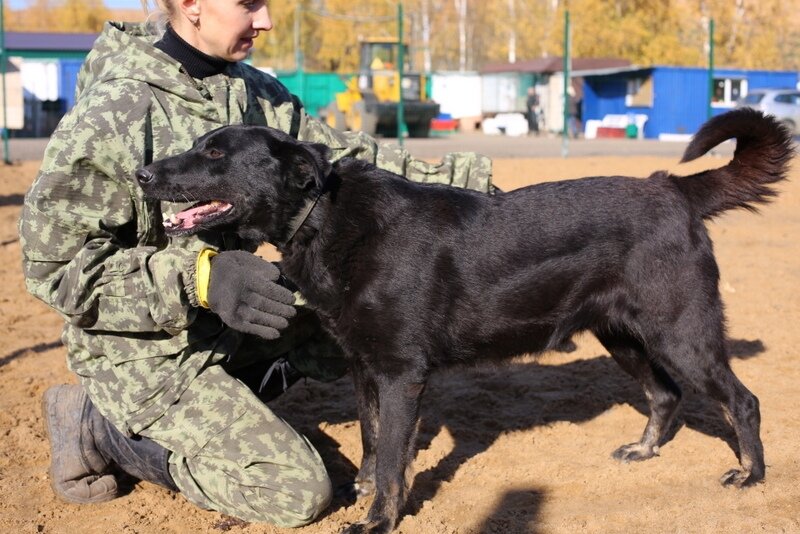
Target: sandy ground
column 520, row 448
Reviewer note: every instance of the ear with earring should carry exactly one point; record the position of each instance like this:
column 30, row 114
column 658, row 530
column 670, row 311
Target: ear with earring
column 191, row 10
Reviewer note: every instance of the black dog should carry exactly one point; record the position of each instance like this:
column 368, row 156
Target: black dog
column 411, row 277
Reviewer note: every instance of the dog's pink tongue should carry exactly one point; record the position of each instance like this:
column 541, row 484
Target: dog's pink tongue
column 189, row 218
column 193, row 216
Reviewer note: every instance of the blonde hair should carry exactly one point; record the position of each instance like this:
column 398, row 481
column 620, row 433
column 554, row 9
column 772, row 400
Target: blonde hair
column 159, row 13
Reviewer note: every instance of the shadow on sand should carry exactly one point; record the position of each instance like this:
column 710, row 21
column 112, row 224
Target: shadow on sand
column 477, row 405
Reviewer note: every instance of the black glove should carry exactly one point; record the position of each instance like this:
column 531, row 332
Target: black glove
column 243, row 292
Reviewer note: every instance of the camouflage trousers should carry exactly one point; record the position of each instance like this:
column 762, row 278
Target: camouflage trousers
column 230, row 452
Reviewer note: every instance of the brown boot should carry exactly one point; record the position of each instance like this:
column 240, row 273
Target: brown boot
column 79, row 473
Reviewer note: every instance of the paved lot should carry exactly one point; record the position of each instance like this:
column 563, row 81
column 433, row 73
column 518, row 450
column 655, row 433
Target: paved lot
column 494, row 146
column 26, row 149
column 501, row 147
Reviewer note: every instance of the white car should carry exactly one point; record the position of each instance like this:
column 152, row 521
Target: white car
column 784, row 104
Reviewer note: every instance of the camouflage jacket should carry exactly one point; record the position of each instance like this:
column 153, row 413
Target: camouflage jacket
column 95, row 250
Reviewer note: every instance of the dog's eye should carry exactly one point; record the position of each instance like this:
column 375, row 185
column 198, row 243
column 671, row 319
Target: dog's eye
column 213, row 153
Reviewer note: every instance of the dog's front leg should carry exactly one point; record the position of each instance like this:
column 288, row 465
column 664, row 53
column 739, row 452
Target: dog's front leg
column 367, row 401
column 398, row 399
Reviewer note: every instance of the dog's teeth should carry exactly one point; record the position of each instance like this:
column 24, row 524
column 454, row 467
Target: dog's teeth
column 171, row 221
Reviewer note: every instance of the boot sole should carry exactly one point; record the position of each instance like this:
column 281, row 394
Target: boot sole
column 103, row 497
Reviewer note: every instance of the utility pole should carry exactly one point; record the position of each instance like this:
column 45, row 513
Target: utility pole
column 710, row 111
column 461, row 7
column 567, row 53
column 298, row 53
column 512, row 36
column 3, row 60
column 401, row 121
column 426, row 36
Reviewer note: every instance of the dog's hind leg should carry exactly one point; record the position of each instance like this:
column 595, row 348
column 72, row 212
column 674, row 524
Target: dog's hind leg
column 742, row 409
column 696, row 350
column 399, row 398
column 663, row 395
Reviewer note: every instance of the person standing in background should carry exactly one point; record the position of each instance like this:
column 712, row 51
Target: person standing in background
column 532, row 108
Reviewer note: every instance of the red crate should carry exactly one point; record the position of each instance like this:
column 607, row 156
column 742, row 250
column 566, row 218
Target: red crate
column 607, row 132
column 444, row 125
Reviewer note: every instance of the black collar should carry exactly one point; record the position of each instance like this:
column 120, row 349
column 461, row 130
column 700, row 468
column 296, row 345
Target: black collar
column 298, row 220
column 196, row 63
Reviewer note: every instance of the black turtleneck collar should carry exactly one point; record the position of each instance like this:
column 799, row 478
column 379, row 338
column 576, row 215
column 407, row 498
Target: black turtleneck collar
column 196, row 63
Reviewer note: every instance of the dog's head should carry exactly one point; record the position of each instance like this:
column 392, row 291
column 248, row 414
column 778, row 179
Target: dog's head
column 250, row 180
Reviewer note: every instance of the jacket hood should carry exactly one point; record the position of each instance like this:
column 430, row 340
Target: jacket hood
column 125, row 50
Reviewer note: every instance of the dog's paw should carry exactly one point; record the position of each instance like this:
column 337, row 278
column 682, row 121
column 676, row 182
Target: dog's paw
column 740, row 479
column 356, row 528
column 634, row 452
column 368, row 527
column 353, row 491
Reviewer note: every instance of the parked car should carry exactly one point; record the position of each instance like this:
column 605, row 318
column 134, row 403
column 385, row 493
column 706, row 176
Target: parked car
column 784, row 104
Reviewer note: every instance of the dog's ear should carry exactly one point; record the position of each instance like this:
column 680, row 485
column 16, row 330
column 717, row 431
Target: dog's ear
column 303, row 165
column 308, row 165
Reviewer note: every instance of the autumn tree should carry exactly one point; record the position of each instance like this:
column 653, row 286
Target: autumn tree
column 59, row 16
column 468, row 34
column 755, row 35
column 81, row 15
column 36, row 17
column 276, row 48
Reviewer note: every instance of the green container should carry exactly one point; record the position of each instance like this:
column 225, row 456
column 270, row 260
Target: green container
column 315, row 89
column 631, row 131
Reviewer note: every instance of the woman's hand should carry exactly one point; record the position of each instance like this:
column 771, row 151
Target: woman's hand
column 243, row 292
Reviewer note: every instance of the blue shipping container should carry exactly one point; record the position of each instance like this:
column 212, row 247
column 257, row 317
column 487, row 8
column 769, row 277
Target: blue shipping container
column 68, row 80
column 680, row 95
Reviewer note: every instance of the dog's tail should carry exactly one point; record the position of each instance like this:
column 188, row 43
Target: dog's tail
column 763, row 151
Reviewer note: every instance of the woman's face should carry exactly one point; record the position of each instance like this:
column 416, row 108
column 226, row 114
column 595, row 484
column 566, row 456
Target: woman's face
column 225, row 28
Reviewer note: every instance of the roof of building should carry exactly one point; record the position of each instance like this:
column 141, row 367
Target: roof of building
column 608, row 71
column 545, row 65
column 41, row 41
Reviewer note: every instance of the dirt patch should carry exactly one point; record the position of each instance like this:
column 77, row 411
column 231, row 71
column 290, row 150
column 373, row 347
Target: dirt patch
column 511, row 449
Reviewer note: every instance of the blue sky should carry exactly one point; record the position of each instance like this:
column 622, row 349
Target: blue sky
column 123, row 4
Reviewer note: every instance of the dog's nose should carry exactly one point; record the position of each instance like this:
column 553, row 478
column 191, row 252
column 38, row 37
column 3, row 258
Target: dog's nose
column 144, row 176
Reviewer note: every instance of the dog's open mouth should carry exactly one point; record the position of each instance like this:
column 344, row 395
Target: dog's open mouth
column 201, row 212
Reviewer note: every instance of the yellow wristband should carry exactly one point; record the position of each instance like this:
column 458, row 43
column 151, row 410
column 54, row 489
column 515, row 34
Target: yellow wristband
column 203, row 275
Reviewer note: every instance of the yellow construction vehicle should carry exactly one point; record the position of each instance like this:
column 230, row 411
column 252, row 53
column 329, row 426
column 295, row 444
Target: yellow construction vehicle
column 369, row 103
